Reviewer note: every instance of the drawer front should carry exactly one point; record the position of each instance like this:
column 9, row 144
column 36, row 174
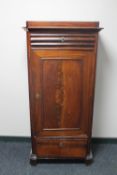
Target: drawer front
column 62, row 149
column 61, row 39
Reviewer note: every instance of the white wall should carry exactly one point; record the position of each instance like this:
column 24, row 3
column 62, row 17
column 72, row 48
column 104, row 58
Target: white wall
column 14, row 111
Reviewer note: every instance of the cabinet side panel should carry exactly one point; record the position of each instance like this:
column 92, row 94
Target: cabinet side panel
column 30, row 84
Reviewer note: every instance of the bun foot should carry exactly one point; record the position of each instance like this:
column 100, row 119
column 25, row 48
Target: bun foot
column 33, row 159
column 89, row 158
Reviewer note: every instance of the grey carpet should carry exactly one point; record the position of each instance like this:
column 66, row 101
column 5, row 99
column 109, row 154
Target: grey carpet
column 14, row 161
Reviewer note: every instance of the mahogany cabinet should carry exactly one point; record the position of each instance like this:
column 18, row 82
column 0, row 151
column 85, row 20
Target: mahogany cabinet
column 61, row 69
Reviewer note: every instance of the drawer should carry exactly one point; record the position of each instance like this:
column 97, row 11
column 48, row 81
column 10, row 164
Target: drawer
column 61, row 39
column 62, row 149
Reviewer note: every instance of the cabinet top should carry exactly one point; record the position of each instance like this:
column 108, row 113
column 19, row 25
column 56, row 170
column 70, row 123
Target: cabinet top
column 63, row 25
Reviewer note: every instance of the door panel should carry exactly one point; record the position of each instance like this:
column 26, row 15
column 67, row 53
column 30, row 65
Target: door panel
column 63, row 104
column 62, row 93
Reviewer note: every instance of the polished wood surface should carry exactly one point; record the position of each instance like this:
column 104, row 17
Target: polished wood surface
column 61, row 66
column 61, row 24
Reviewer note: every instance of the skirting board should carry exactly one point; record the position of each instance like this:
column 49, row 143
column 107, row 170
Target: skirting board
column 28, row 139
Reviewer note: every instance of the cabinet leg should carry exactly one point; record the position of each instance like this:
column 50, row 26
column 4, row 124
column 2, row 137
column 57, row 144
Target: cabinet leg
column 89, row 158
column 33, row 159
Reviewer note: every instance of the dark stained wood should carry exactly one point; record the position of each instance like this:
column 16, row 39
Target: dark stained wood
column 61, row 24
column 61, row 67
column 61, row 149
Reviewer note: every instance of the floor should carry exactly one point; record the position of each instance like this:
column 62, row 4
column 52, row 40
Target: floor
column 14, row 160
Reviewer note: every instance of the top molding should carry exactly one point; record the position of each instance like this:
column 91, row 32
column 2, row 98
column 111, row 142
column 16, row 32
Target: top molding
column 93, row 26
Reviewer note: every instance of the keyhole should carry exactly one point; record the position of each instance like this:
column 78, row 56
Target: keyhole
column 37, row 96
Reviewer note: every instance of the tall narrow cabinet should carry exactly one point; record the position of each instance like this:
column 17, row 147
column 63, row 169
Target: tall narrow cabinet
column 61, row 70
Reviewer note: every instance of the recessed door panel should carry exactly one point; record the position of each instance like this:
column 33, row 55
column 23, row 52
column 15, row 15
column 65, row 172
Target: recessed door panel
column 62, row 92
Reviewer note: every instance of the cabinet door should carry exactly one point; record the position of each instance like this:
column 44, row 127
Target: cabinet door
column 61, row 86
